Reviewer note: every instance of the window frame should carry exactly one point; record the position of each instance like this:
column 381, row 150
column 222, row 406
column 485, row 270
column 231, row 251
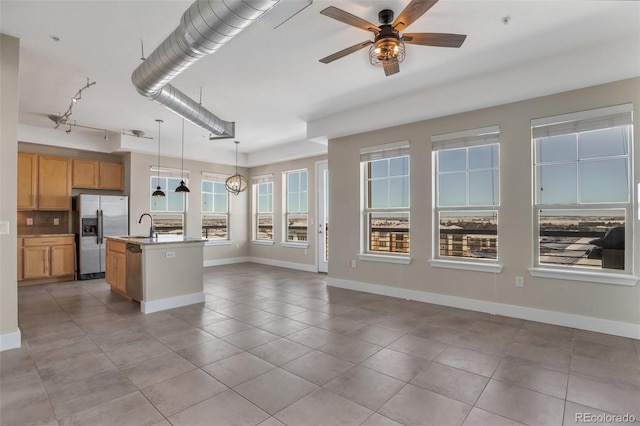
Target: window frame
column 257, row 214
column 580, row 123
column 216, row 180
column 369, row 155
column 163, row 173
column 467, row 139
column 287, row 212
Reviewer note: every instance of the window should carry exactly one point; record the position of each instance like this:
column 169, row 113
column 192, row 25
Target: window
column 263, row 208
column 168, row 212
column 296, row 208
column 467, row 188
column 215, row 207
column 385, row 172
column 583, row 197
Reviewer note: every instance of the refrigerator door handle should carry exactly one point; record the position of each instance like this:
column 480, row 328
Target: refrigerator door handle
column 100, row 236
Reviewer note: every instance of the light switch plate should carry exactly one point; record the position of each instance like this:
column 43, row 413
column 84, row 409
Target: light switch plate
column 4, row 227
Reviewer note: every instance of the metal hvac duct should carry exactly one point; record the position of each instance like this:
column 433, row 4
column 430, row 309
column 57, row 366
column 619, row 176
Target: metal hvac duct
column 204, row 28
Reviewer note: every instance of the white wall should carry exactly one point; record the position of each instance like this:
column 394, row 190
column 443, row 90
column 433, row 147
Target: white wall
column 481, row 290
column 9, row 58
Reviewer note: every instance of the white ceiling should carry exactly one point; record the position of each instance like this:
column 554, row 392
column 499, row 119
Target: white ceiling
column 269, row 81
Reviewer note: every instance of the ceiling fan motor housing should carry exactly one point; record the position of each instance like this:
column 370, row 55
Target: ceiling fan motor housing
column 385, row 17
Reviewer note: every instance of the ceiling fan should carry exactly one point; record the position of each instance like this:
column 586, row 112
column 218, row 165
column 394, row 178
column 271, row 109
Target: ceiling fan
column 387, row 48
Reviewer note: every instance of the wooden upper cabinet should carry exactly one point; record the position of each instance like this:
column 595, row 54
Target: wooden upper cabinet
column 27, row 181
column 85, row 174
column 110, row 176
column 97, row 174
column 54, row 183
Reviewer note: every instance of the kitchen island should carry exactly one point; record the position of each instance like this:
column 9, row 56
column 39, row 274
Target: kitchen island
column 161, row 273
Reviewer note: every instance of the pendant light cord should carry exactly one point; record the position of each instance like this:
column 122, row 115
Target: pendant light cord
column 183, row 149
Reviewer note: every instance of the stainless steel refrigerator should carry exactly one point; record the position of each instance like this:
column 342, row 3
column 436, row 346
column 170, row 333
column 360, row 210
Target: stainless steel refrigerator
column 97, row 217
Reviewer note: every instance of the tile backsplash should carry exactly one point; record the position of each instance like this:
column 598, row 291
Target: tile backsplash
column 43, row 222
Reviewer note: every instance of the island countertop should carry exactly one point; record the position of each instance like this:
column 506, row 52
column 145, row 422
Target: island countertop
column 160, row 239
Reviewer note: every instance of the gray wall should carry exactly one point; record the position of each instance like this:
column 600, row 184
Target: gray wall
column 605, row 301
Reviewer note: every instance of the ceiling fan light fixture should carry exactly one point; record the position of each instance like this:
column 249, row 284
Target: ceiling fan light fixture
column 385, row 50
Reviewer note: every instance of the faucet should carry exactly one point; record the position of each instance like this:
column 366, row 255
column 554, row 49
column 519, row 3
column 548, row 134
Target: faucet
column 151, row 229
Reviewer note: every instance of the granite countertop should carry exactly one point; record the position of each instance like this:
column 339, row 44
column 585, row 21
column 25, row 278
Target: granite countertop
column 160, row 239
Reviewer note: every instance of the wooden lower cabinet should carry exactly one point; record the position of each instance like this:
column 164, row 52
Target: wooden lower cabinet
column 46, row 259
column 116, row 266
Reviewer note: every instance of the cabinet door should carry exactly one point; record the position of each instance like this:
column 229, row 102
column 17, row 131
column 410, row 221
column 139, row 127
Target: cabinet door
column 85, row 174
column 110, row 176
column 27, row 181
column 63, row 260
column 35, row 262
column 121, row 273
column 54, row 183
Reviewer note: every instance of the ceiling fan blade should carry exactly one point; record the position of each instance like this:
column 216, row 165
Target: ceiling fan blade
column 349, row 19
column 345, row 52
column 414, row 10
column 391, row 67
column 434, row 39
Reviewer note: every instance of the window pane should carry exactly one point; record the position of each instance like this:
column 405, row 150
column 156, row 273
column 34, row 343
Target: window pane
column 207, row 202
column 303, row 181
column 557, row 148
column 264, row 204
column 379, row 168
column 483, row 188
column 399, row 192
column 450, row 160
column 265, row 227
column 263, row 188
column 452, row 189
column 604, row 143
column 557, row 184
column 173, row 183
column 399, row 166
column 294, row 182
column 220, row 203
column 303, row 202
column 168, row 224
column 469, row 234
column 586, row 239
column 389, row 232
column 219, row 188
column 214, row 227
column 297, row 227
column 207, row 186
column 293, row 203
column 483, row 157
column 158, row 204
column 604, row 181
column 378, row 197
column 175, row 201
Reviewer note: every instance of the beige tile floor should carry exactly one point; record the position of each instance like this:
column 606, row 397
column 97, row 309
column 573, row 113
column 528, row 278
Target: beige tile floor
column 274, row 346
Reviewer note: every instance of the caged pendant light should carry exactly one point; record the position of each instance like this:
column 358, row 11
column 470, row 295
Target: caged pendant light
column 182, row 187
column 236, row 183
column 158, row 192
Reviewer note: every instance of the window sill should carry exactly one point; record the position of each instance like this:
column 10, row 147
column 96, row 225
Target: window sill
column 294, row 245
column 494, row 268
column 218, row 243
column 404, row 260
column 604, row 278
column 262, row 242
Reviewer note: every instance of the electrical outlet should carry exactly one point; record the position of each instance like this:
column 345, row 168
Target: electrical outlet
column 353, row 263
column 56, row 221
column 170, row 254
column 29, row 221
column 519, row 281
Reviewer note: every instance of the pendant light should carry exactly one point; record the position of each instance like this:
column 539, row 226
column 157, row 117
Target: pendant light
column 158, row 192
column 182, row 187
column 236, row 183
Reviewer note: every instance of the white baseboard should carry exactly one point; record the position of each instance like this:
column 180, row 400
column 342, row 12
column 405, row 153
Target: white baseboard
column 171, row 302
column 226, row 261
column 10, row 341
column 283, row 264
column 599, row 325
